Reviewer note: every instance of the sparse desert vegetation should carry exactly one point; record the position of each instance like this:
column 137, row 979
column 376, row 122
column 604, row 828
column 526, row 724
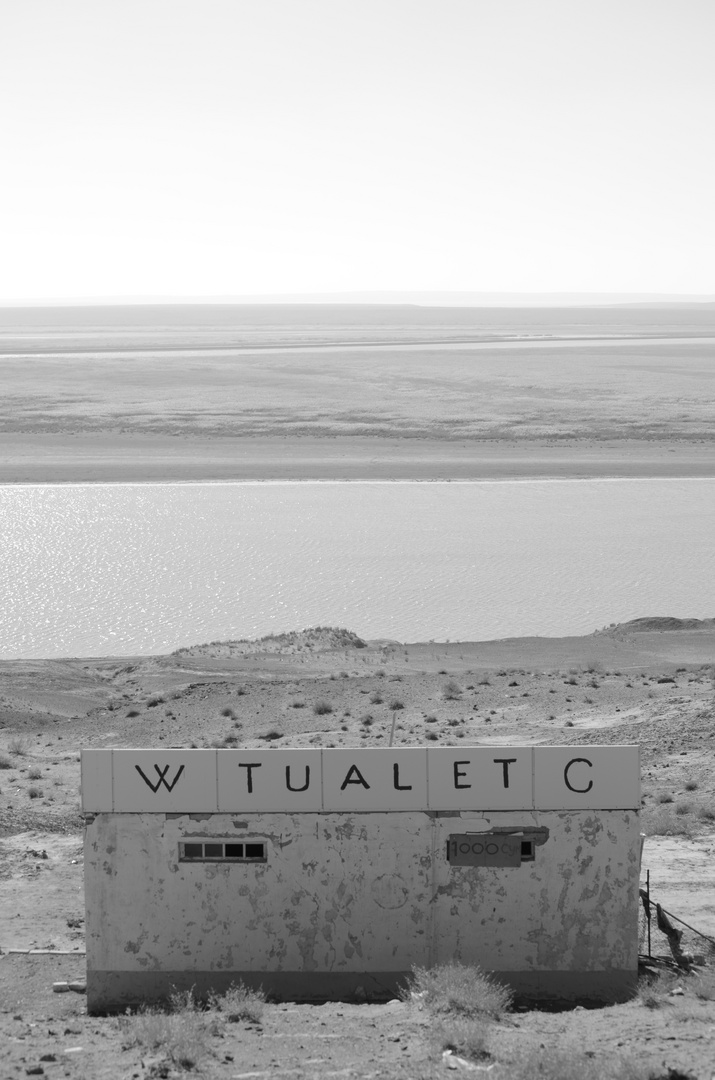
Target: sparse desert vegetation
column 411, row 1039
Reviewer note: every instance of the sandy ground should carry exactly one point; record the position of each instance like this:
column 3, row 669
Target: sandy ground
column 136, row 458
column 331, row 392
column 635, row 683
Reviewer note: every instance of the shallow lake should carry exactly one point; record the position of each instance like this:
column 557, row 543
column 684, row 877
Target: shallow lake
column 120, row 569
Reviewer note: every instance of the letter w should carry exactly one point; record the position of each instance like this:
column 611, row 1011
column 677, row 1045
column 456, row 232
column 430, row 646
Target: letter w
column 161, row 773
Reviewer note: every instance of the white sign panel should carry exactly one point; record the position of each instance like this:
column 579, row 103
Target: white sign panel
column 587, row 777
column 481, row 778
column 97, row 780
column 465, row 778
column 167, row 781
column 375, row 779
column 269, row 780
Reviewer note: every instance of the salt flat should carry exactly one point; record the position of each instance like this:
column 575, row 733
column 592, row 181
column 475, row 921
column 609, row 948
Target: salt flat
column 356, row 392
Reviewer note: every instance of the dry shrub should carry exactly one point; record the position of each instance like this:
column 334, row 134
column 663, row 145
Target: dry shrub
column 17, row 746
column 653, row 990
column 664, row 822
column 704, row 985
column 5, row 762
column 322, row 708
column 547, row 1063
column 182, row 1030
column 465, row 1037
column 182, row 1038
column 239, row 1003
column 459, row 990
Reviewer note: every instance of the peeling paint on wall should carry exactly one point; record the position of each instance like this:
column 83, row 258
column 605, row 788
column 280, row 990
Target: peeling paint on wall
column 341, row 895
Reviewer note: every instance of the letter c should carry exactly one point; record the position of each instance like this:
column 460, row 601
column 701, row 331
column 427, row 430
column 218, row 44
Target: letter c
column 569, row 785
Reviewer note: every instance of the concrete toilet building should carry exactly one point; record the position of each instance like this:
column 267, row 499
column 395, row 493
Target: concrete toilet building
column 313, row 873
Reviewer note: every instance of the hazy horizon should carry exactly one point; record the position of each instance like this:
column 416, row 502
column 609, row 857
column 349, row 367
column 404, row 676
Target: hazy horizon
column 418, row 299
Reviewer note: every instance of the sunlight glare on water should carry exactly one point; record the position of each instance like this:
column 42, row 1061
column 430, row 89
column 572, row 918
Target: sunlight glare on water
column 92, row 570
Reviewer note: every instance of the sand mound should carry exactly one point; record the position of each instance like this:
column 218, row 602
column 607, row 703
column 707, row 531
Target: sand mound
column 314, row 639
column 664, row 622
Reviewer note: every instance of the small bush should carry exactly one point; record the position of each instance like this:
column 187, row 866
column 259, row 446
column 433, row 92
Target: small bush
column 182, row 1034
column 692, row 785
column 431, row 736
column 228, row 711
column 132, row 713
column 297, row 704
column 17, row 746
column 465, row 1037
column 663, row 822
column 431, row 719
column 706, row 813
column 5, row 762
column 367, row 720
column 34, row 773
column 458, row 990
column 704, row 986
column 34, row 792
column 396, row 704
column 152, row 702
column 653, row 990
column 376, row 698
column 272, row 735
column 451, row 690
column 322, row 708
column 239, row 1003
column 665, row 797
column 485, row 681
column 571, row 681
column 554, row 1063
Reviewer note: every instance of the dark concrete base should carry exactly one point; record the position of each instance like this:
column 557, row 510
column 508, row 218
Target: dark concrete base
column 114, row 991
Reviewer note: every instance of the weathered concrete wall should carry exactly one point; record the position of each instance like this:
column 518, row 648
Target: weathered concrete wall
column 348, row 899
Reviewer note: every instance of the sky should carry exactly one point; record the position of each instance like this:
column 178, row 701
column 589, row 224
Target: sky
column 218, row 148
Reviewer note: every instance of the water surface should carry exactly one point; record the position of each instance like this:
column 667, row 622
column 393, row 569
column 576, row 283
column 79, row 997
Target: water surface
column 120, row 569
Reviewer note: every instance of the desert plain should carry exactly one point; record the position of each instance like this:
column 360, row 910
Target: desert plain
column 403, row 394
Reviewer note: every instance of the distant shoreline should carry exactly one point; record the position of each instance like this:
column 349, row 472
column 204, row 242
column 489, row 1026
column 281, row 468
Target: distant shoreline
column 115, row 458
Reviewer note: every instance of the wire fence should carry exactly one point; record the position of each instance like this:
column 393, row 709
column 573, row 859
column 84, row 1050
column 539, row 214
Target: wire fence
column 654, row 940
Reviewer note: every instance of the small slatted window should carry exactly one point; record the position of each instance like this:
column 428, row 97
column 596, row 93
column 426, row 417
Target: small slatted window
column 222, row 851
